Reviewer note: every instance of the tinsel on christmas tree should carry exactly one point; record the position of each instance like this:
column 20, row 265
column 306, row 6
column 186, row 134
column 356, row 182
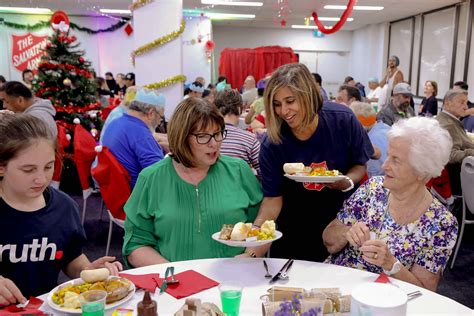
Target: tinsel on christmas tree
column 66, row 78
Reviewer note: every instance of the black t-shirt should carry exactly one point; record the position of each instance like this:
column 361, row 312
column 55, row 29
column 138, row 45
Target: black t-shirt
column 430, row 106
column 36, row 246
column 339, row 142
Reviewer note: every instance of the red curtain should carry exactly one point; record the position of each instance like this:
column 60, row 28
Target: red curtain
column 238, row 63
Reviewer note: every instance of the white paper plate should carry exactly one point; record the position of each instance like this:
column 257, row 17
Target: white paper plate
column 78, row 310
column 235, row 243
column 315, row 179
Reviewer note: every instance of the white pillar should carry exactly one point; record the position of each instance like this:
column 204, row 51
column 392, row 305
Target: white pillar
column 154, row 20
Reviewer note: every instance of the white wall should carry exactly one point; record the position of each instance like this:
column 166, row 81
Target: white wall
column 195, row 62
column 368, row 51
column 107, row 51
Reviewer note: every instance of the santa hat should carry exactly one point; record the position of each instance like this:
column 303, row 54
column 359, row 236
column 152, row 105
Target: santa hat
column 84, row 153
column 114, row 181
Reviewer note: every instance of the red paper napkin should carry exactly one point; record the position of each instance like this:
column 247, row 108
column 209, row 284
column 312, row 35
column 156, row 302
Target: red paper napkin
column 190, row 282
column 383, row 278
column 30, row 309
column 143, row 281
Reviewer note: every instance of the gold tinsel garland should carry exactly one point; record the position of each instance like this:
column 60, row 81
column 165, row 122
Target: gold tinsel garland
column 139, row 3
column 160, row 41
column 166, row 82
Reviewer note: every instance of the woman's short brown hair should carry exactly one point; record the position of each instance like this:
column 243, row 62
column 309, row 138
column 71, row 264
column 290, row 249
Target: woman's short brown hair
column 299, row 80
column 434, row 84
column 191, row 115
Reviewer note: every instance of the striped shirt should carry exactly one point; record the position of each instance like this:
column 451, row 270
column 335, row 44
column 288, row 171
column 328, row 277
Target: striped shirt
column 242, row 144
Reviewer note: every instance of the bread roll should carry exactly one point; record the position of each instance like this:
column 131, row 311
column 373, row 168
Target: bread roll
column 95, row 275
column 294, row 167
column 240, row 231
column 268, row 228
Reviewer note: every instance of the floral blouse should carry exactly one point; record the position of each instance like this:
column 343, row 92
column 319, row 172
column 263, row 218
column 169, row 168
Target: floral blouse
column 428, row 241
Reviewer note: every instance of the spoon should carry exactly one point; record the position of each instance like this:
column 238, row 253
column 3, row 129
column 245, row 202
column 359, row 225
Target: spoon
column 268, row 275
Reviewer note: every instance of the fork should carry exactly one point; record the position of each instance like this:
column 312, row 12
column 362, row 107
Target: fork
column 413, row 295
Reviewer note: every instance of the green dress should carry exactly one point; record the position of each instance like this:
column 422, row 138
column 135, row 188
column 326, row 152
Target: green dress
column 177, row 219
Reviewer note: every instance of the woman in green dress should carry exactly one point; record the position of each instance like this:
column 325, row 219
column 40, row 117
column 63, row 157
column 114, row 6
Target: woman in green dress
column 179, row 202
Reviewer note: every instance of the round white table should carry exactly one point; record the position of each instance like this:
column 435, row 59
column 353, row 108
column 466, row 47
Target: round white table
column 304, row 274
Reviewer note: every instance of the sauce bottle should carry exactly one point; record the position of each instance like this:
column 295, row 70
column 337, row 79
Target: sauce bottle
column 147, row 307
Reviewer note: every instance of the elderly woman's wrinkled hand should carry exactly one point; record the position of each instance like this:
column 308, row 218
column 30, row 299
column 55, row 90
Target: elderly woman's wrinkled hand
column 358, row 234
column 376, row 252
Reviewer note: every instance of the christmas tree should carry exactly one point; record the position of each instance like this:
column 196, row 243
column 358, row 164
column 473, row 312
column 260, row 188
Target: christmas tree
column 65, row 77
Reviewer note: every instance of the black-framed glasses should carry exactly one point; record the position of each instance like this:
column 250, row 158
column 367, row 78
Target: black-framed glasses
column 203, row 138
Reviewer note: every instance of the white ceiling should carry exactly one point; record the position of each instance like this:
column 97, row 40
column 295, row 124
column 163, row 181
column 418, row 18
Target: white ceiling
column 267, row 15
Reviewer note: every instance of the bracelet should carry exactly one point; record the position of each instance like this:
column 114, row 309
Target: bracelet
column 251, row 253
column 350, row 187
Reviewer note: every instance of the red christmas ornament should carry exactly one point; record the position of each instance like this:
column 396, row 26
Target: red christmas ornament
column 210, row 45
column 81, row 60
column 128, row 29
column 57, row 18
column 283, row 23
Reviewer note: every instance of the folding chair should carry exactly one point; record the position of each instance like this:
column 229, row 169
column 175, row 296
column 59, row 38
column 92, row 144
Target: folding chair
column 467, row 186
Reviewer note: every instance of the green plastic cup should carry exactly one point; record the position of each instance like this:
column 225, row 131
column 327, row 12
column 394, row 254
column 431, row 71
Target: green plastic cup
column 93, row 303
column 231, row 293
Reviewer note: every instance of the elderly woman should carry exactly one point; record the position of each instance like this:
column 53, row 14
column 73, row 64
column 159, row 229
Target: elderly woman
column 429, row 104
column 181, row 201
column 301, row 129
column 377, row 131
column 392, row 223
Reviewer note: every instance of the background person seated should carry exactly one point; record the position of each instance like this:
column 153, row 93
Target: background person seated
column 238, row 143
column 130, row 137
column 454, row 108
column 18, row 98
column 399, row 107
column 348, row 94
column 40, row 229
column 429, row 104
column 181, row 201
column 392, row 223
column 377, row 132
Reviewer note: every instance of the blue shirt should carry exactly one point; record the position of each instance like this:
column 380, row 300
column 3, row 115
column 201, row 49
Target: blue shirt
column 378, row 137
column 119, row 111
column 468, row 123
column 341, row 142
column 132, row 143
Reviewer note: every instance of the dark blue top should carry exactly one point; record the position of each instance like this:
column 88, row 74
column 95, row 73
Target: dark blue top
column 132, row 143
column 36, row 246
column 342, row 143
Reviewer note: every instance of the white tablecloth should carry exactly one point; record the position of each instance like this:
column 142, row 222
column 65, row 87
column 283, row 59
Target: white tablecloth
column 302, row 274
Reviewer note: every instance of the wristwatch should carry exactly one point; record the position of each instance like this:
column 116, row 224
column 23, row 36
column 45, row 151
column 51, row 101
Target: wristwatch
column 350, row 187
column 395, row 268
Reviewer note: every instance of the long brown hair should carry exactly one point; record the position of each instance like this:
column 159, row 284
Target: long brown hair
column 301, row 82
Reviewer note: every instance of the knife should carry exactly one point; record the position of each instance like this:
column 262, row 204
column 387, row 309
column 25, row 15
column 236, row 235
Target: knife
column 277, row 276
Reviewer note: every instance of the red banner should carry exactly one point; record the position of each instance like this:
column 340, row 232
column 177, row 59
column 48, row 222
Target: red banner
column 27, row 50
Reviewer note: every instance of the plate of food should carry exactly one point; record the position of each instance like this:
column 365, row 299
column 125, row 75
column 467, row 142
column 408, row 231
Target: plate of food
column 243, row 235
column 300, row 173
column 65, row 297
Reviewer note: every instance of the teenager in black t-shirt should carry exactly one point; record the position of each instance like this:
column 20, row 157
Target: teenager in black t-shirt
column 40, row 229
